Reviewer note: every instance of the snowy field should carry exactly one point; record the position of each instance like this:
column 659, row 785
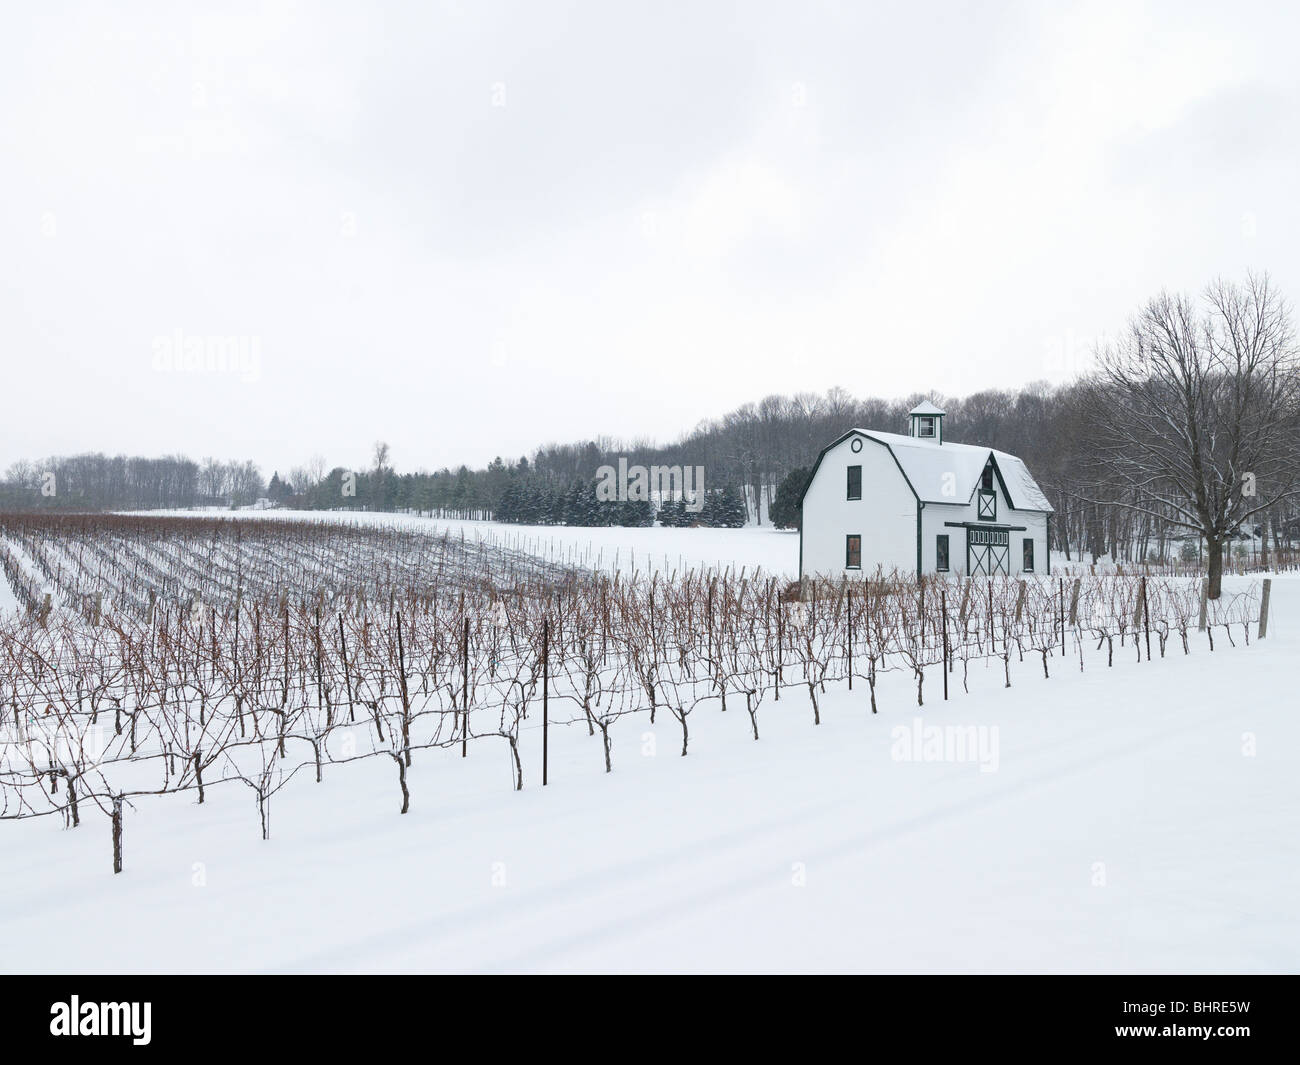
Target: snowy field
column 611, row 549
column 1134, row 819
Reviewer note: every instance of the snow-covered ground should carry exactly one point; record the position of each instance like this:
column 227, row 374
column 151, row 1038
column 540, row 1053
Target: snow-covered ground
column 1134, row 819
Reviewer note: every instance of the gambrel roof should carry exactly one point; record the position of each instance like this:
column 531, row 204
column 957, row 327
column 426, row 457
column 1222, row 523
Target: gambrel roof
column 925, row 464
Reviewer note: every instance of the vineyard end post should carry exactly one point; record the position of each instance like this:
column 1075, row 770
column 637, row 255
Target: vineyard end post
column 848, row 604
column 546, row 685
column 1062, row 612
column 117, row 833
column 943, row 611
column 1146, row 616
column 464, row 663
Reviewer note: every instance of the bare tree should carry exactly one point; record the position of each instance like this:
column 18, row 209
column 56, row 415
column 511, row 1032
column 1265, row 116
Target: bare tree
column 1194, row 412
column 316, row 470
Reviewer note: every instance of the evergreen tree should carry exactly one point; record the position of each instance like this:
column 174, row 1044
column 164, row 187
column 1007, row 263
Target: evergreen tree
column 508, row 507
column 785, row 512
column 724, row 508
column 578, row 503
column 708, row 514
column 673, row 515
column 732, row 513
column 635, row 513
column 278, row 491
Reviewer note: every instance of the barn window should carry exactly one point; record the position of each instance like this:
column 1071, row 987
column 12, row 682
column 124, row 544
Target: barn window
column 855, row 482
column 925, row 427
column 1028, row 566
column 988, row 506
column 941, row 553
column 986, row 482
column 853, row 552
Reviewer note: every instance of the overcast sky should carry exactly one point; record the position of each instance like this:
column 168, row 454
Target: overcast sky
column 469, row 228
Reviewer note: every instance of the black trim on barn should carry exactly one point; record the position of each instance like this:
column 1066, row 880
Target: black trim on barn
column 997, row 470
column 920, row 508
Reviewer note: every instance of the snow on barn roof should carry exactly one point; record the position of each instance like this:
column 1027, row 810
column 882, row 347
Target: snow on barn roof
column 926, row 407
column 925, row 463
column 1020, row 483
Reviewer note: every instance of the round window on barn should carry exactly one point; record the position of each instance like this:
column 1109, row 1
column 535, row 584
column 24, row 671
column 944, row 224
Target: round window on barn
column 856, row 444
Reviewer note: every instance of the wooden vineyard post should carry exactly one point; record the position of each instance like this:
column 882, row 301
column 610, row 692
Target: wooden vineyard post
column 943, row 614
column 1146, row 616
column 848, row 606
column 708, row 619
column 347, row 676
column 406, row 698
column 1263, row 607
column 992, row 640
column 1074, row 601
column 464, row 666
column 329, row 714
column 780, row 636
column 117, row 833
column 1062, row 613
column 1205, row 603
column 546, row 684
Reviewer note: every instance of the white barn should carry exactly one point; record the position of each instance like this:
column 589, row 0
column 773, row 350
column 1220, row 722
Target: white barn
column 917, row 504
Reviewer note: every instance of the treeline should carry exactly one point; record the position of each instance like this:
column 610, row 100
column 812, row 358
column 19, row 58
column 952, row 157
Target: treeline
column 768, row 448
column 755, row 459
column 461, row 491
column 757, row 445
column 518, row 493
column 95, row 481
column 118, row 482
column 536, row 499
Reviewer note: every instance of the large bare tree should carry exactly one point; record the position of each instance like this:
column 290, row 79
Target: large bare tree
column 1193, row 412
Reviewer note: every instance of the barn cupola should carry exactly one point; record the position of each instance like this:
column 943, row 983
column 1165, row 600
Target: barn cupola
column 927, row 422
